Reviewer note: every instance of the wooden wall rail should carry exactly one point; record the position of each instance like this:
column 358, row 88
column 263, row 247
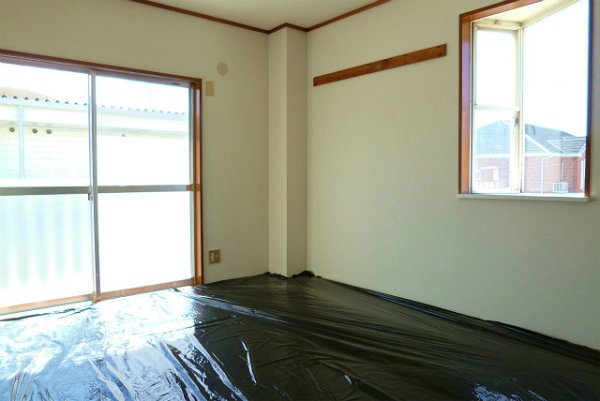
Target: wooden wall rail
column 381, row 65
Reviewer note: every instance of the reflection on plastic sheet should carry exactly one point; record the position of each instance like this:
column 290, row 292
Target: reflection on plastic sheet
column 270, row 338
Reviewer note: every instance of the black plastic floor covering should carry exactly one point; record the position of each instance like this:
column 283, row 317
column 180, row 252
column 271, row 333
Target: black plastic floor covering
column 270, row 338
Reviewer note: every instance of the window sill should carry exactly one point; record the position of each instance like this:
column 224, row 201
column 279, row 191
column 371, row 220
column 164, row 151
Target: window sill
column 553, row 197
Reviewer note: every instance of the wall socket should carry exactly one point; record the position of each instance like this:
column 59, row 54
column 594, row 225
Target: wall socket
column 214, row 256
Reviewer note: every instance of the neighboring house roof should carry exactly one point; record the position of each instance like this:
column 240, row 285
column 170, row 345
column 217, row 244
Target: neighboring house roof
column 24, row 94
column 494, row 139
column 12, row 95
column 569, row 145
column 532, row 146
column 555, row 141
column 71, row 115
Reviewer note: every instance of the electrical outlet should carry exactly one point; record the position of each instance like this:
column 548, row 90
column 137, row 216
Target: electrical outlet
column 214, row 256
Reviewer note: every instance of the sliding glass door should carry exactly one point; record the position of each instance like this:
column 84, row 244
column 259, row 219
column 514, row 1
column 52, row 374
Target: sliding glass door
column 99, row 184
column 45, row 220
column 144, row 173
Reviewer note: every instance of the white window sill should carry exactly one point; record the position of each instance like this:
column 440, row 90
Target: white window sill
column 549, row 197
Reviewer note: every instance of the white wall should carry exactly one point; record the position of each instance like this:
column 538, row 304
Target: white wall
column 382, row 183
column 123, row 33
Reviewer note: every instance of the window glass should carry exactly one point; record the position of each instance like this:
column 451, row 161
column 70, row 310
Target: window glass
column 9, row 143
column 45, row 248
column 43, row 127
column 145, row 238
column 496, row 68
column 493, row 147
column 555, row 101
column 143, row 133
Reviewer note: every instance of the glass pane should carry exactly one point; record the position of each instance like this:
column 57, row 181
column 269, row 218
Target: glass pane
column 45, row 248
column 145, row 239
column 493, row 146
column 143, row 133
column 9, row 143
column 555, row 101
column 43, row 127
column 495, row 68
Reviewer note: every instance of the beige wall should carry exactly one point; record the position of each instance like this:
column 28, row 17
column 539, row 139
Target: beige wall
column 278, row 236
column 235, row 126
column 296, row 151
column 382, row 180
column 287, row 152
column 381, row 164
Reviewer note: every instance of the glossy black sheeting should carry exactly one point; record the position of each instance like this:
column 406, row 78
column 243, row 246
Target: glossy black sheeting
column 270, row 338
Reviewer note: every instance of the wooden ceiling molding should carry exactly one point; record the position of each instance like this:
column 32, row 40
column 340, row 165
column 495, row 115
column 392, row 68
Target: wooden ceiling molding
column 254, row 28
column 348, row 14
column 199, row 15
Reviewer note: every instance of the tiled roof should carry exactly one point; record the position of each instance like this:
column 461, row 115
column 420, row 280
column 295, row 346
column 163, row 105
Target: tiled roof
column 494, row 139
column 533, row 147
column 569, row 145
column 555, row 141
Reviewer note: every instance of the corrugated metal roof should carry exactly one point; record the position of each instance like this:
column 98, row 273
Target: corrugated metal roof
column 17, row 95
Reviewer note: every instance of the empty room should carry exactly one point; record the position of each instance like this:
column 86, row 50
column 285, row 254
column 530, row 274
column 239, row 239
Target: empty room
column 299, row 200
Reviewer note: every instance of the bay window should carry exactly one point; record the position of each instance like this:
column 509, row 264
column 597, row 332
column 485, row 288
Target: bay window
column 525, row 69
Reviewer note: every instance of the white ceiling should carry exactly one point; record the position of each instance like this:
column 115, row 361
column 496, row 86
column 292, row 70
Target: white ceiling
column 267, row 14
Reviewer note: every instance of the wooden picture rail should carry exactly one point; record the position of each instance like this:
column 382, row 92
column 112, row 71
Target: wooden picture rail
column 381, row 65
